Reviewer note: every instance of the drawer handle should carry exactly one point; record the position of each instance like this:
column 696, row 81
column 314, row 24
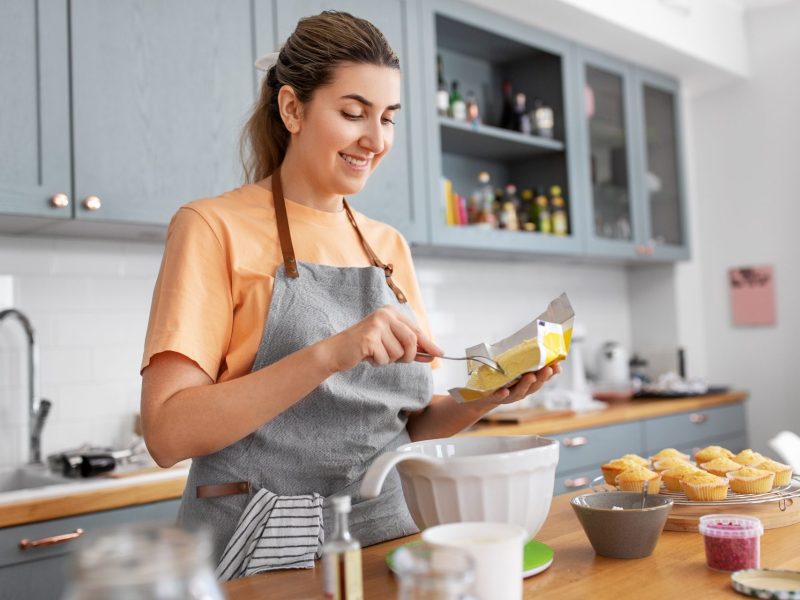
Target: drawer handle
column 576, row 441
column 577, row 482
column 698, row 418
column 50, row 541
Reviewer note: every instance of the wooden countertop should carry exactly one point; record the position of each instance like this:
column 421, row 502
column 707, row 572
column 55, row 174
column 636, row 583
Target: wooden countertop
column 675, row 569
column 632, row 410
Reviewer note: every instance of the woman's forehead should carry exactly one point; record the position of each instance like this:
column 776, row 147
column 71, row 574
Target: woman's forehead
column 376, row 84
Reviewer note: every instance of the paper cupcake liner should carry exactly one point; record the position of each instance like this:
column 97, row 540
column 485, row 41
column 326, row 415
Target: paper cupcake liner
column 751, row 485
column 705, row 491
column 653, row 487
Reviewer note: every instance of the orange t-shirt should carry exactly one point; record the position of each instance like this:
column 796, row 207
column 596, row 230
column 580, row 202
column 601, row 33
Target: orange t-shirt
column 213, row 292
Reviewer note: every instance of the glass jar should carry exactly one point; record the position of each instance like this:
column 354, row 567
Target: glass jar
column 428, row 572
column 150, row 561
column 732, row 542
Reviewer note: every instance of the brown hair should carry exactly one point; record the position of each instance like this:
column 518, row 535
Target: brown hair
column 306, row 61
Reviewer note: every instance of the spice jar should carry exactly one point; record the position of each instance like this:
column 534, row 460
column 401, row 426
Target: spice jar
column 733, row 542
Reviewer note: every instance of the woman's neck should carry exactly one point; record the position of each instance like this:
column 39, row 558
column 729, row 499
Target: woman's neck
column 300, row 188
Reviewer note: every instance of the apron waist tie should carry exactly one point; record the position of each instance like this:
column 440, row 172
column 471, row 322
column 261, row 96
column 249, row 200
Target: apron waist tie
column 274, row 532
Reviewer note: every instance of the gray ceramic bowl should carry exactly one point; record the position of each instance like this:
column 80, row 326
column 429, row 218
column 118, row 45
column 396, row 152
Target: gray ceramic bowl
column 629, row 533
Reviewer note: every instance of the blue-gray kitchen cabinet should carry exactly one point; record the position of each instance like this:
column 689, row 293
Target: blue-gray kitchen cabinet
column 480, row 50
column 34, row 112
column 42, row 572
column 160, row 91
column 395, row 193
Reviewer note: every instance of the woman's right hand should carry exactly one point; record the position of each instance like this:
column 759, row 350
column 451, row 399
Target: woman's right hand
column 385, row 336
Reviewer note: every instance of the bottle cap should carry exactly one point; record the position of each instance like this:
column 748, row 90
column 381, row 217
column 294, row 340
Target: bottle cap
column 483, row 177
column 555, row 190
column 341, row 504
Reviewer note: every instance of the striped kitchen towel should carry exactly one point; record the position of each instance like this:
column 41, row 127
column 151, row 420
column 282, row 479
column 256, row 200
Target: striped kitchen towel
column 274, row 532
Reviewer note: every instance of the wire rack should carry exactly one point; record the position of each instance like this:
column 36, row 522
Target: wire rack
column 782, row 495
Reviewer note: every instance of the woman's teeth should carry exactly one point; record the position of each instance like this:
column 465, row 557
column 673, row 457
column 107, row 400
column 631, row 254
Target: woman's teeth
column 356, row 162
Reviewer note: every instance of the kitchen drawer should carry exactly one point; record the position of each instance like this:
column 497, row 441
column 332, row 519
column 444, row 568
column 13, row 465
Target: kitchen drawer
column 576, row 480
column 11, row 554
column 689, row 429
column 586, row 447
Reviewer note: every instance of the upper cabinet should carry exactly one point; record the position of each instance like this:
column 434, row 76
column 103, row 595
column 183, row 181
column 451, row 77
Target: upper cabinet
column 395, row 193
column 34, row 110
column 507, row 71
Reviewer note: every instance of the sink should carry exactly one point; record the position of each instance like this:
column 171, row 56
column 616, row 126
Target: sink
column 28, row 477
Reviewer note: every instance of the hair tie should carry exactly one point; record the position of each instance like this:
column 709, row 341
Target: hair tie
column 268, row 60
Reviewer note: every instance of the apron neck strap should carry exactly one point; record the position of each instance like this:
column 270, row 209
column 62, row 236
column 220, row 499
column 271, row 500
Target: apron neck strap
column 287, row 248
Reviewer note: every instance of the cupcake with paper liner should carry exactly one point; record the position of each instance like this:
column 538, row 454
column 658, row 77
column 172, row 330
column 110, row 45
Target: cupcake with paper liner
column 669, row 453
column 704, row 486
column 633, row 480
column 668, row 463
column 639, row 460
column 748, row 480
column 749, row 458
column 720, row 466
column 783, row 473
column 709, row 453
column 614, row 467
column 672, row 477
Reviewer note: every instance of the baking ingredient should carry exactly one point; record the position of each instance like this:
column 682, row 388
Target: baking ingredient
column 732, row 542
column 341, row 558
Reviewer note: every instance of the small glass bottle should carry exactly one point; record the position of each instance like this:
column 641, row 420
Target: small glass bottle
column 442, row 93
column 458, row 108
column 521, row 116
column 526, row 213
column 559, row 215
column 545, row 222
column 341, row 558
column 543, row 119
column 473, row 110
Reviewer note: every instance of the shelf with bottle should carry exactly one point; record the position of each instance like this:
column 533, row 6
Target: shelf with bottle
column 488, row 141
column 530, row 211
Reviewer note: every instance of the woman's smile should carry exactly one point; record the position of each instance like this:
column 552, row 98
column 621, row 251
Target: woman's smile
column 356, row 163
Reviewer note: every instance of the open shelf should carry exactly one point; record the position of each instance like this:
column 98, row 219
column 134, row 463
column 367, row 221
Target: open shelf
column 492, row 143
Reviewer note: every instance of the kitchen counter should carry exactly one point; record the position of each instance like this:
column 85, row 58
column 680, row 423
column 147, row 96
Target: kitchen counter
column 676, row 567
column 90, row 495
column 621, row 412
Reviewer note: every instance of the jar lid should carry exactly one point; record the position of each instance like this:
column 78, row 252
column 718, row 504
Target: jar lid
column 730, row 526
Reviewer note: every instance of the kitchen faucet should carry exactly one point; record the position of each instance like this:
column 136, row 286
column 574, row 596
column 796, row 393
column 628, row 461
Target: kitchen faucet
column 38, row 409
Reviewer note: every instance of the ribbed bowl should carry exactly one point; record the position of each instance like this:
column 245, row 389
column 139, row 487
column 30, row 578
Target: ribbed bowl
column 506, row 479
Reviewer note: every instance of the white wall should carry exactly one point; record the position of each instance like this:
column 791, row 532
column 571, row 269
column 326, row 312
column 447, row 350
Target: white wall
column 745, row 152
column 89, row 303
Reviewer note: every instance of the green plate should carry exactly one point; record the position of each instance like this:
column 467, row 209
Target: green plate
column 535, row 559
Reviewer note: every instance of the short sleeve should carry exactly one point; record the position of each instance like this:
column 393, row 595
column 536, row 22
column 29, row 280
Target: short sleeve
column 192, row 308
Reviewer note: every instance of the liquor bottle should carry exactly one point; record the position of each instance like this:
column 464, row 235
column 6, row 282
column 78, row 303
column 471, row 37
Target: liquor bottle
column 543, row 120
column 458, row 108
column 485, row 197
column 544, row 222
column 522, row 120
column 473, row 111
column 508, row 211
column 527, row 211
column 559, row 217
column 507, row 116
column 341, row 558
column 442, row 94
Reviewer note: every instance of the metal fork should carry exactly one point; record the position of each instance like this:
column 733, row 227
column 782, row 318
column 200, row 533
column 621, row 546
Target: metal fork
column 481, row 359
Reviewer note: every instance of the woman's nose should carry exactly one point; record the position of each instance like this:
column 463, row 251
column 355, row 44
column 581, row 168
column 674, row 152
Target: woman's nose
column 374, row 138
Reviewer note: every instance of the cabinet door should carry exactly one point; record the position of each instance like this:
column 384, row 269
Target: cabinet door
column 394, row 192
column 160, row 93
column 608, row 165
column 664, row 218
column 34, row 108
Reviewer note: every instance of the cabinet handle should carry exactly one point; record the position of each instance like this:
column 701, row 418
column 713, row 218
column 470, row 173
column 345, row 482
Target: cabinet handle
column 25, row 544
column 92, row 203
column 698, row 418
column 60, row 200
column 577, row 482
column 576, row 441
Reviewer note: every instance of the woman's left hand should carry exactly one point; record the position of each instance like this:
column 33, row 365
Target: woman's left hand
column 527, row 385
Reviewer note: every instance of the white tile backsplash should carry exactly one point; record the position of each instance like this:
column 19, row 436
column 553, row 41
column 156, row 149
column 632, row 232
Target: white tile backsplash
column 89, row 301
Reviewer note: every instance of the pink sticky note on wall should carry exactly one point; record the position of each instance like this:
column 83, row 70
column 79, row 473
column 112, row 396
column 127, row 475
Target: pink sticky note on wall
column 752, row 295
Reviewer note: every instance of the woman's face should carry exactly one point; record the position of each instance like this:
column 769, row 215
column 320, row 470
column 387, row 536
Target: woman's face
column 348, row 127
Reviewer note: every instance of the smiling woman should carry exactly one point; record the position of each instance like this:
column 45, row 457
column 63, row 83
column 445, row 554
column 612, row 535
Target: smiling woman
column 281, row 351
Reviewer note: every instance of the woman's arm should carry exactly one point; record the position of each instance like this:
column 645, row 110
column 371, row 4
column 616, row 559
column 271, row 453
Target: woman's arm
column 185, row 414
column 445, row 416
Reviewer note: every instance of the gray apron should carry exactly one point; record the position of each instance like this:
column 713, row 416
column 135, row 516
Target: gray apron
column 325, row 442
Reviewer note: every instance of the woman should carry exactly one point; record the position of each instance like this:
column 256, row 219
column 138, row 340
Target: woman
column 281, row 353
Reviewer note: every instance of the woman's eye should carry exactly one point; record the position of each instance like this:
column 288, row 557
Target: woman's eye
column 387, row 120
column 350, row 116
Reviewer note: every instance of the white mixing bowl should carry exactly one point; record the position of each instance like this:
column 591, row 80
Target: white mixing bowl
column 505, row 479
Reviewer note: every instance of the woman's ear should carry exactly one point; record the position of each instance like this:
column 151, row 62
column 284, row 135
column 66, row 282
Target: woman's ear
column 291, row 108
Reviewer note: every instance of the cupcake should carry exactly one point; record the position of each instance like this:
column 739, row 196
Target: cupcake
column 668, row 463
column 642, row 462
column 704, row 486
column 751, row 481
column 614, row 467
column 672, row 477
column 632, row 480
column 783, row 473
column 669, row 452
column 720, row 466
column 711, row 452
column 749, row 458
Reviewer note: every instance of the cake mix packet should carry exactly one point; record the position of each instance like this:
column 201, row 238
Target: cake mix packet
column 538, row 344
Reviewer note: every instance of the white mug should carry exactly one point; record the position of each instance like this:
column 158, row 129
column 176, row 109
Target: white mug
column 496, row 549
